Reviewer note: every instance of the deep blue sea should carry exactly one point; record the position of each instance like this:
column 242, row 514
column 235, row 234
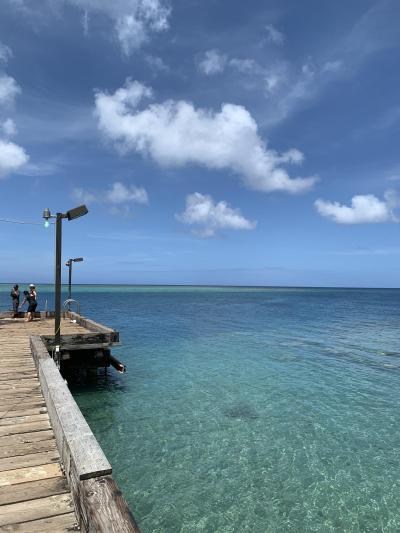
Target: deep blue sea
column 250, row 410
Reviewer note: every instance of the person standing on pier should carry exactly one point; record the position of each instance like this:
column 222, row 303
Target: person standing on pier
column 15, row 300
column 30, row 297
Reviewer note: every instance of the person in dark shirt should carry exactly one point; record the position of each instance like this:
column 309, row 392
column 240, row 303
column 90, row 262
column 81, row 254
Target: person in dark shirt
column 15, row 300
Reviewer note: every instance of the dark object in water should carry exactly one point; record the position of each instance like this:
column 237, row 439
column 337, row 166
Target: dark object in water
column 241, row 410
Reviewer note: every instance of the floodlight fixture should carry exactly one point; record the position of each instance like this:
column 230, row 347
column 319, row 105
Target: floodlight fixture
column 77, row 212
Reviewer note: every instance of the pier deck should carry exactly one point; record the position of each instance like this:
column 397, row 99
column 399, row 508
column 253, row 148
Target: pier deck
column 54, row 476
column 34, row 495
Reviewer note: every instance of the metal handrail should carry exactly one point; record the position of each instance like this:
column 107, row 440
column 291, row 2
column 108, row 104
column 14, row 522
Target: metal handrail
column 69, row 301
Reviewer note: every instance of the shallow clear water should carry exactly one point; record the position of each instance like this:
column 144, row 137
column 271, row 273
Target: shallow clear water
column 251, row 409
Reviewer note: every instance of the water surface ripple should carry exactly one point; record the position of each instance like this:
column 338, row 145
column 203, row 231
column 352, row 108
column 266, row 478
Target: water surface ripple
column 258, row 410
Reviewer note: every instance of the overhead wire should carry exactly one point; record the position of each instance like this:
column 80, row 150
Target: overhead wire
column 9, row 221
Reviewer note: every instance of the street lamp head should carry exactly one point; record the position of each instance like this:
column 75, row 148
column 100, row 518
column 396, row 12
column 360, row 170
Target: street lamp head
column 77, row 212
column 46, row 216
column 77, row 259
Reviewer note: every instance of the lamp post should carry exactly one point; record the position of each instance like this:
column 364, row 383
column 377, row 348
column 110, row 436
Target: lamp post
column 76, row 212
column 69, row 265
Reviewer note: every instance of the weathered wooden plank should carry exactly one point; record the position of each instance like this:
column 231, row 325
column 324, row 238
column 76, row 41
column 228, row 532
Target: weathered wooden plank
column 32, row 459
column 23, row 438
column 19, row 384
column 22, row 374
column 20, row 391
column 76, row 442
column 7, row 421
column 31, row 473
column 104, row 508
column 24, row 428
column 11, row 406
column 89, row 324
column 32, row 490
column 17, row 513
column 23, row 367
column 26, row 448
column 77, row 340
column 65, row 523
column 17, row 411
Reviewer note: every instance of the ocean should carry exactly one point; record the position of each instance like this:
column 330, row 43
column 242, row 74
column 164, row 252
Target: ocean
column 249, row 409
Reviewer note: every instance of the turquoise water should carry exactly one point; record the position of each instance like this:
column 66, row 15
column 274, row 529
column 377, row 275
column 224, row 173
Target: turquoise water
column 258, row 410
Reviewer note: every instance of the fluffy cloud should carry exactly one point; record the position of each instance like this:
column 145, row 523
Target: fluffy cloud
column 270, row 78
column 120, row 193
column 12, row 157
column 8, row 127
column 133, row 20
column 213, row 62
column 202, row 211
column 274, row 35
column 5, row 53
column 364, row 209
column 156, row 64
column 175, row 133
column 9, row 89
column 332, row 66
column 116, row 195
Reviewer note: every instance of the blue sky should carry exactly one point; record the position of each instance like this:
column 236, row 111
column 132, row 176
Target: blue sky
column 250, row 143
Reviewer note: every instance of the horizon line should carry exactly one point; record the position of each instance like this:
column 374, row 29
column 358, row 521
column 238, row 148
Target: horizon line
column 207, row 285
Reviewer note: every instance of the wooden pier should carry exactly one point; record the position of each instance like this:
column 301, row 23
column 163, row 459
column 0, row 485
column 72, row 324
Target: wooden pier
column 53, row 474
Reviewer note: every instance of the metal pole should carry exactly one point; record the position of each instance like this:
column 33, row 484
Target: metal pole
column 57, row 284
column 69, row 282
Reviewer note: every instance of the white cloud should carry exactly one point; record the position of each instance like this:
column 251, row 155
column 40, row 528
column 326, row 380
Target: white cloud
column 213, row 62
column 332, row 66
column 274, row 35
column 116, row 195
column 131, row 33
column 12, row 157
column 120, row 193
column 133, row 20
column 5, row 53
column 364, row 209
column 246, row 66
column 175, row 133
column 9, row 89
column 156, row 64
column 9, row 128
column 202, row 211
column 84, row 197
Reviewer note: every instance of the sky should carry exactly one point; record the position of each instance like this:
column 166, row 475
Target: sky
column 240, row 143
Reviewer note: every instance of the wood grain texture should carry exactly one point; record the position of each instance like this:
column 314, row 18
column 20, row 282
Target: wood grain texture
column 65, row 523
column 32, row 473
column 75, row 440
column 30, row 459
column 27, row 448
column 17, row 513
column 105, row 509
column 24, row 438
column 32, row 490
